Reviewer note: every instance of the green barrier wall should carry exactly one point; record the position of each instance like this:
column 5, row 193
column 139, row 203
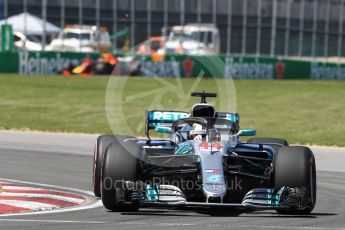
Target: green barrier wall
column 247, row 67
column 9, row 62
column 237, row 67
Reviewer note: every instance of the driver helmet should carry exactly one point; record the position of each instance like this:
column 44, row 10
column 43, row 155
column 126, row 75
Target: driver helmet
column 197, row 132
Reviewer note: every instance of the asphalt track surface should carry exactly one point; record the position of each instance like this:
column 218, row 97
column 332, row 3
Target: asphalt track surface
column 66, row 160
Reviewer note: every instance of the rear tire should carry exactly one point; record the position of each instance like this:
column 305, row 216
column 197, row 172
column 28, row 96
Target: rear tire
column 268, row 141
column 119, row 164
column 294, row 167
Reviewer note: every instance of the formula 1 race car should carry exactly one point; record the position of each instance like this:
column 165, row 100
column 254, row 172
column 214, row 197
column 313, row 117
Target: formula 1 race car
column 203, row 165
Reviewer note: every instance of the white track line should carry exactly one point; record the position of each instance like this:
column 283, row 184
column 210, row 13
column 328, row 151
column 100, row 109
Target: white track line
column 89, row 193
column 164, row 224
column 81, row 208
column 28, row 204
column 99, row 222
column 47, row 195
column 55, row 221
column 78, row 191
column 13, row 187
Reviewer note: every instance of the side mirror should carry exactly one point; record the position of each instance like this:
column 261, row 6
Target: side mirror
column 246, row 133
column 163, row 129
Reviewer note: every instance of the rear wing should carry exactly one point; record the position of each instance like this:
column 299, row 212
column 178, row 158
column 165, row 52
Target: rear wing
column 234, row 117
column 164, row 118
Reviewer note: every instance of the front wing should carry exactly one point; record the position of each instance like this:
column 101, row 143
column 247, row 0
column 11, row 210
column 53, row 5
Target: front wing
column 256, row 199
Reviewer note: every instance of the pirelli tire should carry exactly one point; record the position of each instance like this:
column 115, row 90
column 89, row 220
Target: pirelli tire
column 294, row 167
column 101, row 145
column 274, row 143
column 120, row 164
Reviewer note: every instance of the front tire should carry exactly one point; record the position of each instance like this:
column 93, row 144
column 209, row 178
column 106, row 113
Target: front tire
column 294, row 167
column 119, row 164
column 101, row 145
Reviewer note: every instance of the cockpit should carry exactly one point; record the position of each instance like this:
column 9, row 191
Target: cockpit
column 202, row 129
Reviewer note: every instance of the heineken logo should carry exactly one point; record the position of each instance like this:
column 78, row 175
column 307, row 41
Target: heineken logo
column 34, row 63
column 161, row 69
column 320, row 71
column 248, row 70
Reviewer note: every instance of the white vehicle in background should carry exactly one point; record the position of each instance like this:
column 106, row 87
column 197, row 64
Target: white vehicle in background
column 82, row 39
column 193, row 39
column 26, row 42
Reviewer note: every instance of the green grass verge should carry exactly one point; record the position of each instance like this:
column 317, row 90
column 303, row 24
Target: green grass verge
column 306, row 112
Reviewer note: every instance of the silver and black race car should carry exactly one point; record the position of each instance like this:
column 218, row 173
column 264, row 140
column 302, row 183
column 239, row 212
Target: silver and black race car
column 203, row 164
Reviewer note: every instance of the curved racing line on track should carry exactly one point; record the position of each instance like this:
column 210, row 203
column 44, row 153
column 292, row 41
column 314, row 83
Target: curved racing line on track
column 89, row 202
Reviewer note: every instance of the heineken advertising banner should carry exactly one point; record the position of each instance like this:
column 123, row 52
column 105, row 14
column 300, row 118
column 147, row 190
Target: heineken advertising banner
column 39, row 63
column 243, row 67
column 237, row 67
